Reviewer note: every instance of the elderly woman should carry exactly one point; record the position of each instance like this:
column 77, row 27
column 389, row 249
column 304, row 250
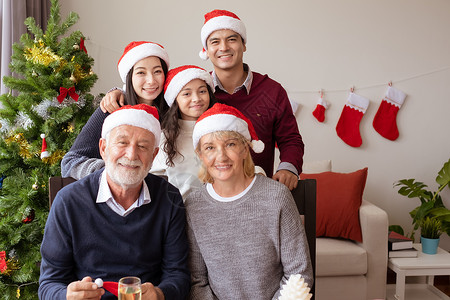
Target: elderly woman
column 245, row 233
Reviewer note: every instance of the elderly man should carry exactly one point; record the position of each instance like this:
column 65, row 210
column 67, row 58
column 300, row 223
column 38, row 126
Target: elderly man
column 119, row 221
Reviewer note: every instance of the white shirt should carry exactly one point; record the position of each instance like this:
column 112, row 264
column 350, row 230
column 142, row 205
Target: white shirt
column 212, row 192
column 105, row 196
column 183, row 175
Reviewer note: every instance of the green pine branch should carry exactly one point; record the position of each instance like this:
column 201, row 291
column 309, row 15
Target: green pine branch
column 41, row 63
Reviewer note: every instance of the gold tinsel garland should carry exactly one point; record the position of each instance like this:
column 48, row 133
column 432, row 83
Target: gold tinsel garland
column 25, row 153
column 54, row 158
column 39, row 54
column 11, row 265
column 24, row 146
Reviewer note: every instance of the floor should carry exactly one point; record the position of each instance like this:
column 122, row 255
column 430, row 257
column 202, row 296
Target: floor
column 440, row 282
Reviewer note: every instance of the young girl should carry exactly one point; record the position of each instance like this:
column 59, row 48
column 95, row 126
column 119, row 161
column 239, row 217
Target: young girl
column 142, row 68
column 189, row 92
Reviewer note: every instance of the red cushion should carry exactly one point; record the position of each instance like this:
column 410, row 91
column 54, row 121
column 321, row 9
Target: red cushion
column 339, row 196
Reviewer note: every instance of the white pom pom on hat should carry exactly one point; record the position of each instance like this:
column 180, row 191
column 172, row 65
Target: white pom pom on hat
column 220, row 19
column 140, row 115
column 135, row 51
column 99, row 282
column 177, row 78
column 222, row 117
column 203, row 55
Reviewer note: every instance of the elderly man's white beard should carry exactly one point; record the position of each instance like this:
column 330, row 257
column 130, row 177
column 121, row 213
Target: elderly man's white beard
column 126, row 176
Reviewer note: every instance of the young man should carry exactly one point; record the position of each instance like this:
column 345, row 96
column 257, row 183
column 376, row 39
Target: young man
column 261, row 99
column 118, row 221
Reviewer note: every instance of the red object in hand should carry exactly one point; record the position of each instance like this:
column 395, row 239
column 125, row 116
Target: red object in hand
column 112, row 287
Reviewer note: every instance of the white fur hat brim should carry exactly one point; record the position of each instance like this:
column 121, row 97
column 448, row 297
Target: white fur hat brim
column 137, row 53
column 183, row 78
column 133, row 117
column 219, row 122
column 221, row 22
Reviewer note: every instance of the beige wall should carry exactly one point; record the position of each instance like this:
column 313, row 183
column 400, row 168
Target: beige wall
column 308, row 46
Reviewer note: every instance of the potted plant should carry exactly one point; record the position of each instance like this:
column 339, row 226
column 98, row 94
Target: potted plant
column 431, row 204
column 430, row 232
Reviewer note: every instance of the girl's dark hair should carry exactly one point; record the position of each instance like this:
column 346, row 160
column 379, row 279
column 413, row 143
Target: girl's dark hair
column 171, row 128
column 131, row 97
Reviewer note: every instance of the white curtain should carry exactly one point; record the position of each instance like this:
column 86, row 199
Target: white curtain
column 12, row 15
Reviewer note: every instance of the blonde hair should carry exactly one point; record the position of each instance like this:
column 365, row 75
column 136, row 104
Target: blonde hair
column 249, row 166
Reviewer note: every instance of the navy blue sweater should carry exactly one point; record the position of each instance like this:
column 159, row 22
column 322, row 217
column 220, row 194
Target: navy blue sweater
column 83, row 238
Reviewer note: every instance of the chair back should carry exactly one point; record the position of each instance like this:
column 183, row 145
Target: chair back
column 305, row 199
column 55, row 184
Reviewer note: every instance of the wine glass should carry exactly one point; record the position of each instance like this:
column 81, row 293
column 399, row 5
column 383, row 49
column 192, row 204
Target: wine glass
column 130, row 288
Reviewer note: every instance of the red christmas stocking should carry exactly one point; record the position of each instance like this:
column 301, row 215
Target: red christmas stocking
column 385, row 118
column 319, row 112
column 347, row 127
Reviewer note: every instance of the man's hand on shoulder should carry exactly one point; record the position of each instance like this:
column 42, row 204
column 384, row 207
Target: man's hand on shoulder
column 287, row 178
column 112, row 101
column 84, row 289
column 151, row 292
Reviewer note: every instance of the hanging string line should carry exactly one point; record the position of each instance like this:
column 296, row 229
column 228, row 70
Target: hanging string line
column 21, row 285
column 370, row 86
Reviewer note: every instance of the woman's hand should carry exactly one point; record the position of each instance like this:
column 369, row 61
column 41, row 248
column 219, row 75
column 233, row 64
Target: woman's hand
column 112, row 101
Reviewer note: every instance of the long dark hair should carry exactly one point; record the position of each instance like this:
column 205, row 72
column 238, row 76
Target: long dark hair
column 171, row 128
column 131, row 97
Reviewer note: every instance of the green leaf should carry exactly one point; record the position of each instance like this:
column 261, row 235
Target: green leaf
column 443, row 178
column 413, row 189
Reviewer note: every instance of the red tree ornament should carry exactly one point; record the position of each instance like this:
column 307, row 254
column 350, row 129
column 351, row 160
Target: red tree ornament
column 3, row 265
column 29, row 218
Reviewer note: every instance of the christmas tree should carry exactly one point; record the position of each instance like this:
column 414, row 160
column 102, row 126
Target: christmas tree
column 48, row 104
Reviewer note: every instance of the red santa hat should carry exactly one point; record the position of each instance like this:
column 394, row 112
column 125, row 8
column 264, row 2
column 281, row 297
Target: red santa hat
column 220, row 19
column 135, row 51
column 222, row 117
column 110, row 286
column 44, row 152
column 141, row 115
column 177, row 78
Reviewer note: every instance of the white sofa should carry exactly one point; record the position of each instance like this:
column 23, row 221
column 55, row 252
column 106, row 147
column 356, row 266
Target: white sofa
column 348, row 270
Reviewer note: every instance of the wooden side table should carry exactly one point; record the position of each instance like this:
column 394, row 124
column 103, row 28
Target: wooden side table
column 422, row 265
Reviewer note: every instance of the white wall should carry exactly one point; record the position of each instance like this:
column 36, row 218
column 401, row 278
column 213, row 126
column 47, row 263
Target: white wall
column 308, row 46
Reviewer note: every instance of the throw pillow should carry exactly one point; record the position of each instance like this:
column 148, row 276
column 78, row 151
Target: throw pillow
column 339, row 196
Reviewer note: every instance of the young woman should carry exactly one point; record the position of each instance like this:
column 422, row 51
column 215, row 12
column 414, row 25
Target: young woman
column 142, row 68
column 245, row 233
column 189, row 92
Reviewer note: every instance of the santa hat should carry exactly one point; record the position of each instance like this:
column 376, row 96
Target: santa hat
column 44, row 152
column 141, row 115
column 222, row 117
column 220, row 19
column 135, row 51
column 177, row 78
column 110, row 286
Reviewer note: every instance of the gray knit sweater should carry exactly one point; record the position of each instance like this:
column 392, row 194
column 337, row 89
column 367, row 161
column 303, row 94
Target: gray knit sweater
column 247, row 248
